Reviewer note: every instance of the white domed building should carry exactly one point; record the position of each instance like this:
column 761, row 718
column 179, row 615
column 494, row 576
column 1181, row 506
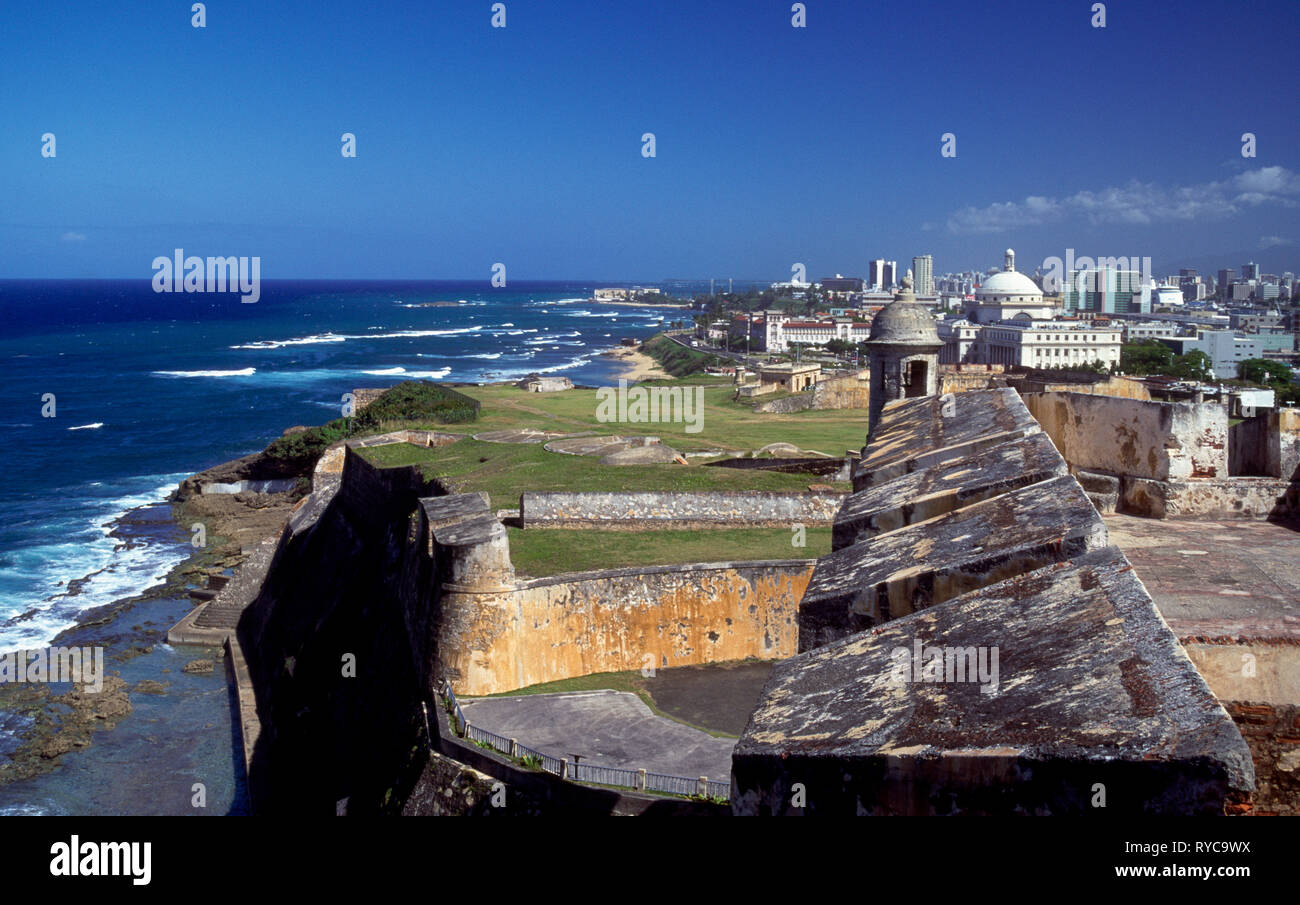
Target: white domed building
column 1011, row 324
column 1009, row 295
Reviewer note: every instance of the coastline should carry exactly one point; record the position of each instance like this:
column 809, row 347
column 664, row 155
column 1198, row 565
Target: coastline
column 53, row 732
column 147, row 680
column 637, row 365
column 627, row 304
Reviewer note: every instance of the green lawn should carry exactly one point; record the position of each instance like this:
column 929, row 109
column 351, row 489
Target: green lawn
column 539, row 552
column 725, row 424
column 505, row 470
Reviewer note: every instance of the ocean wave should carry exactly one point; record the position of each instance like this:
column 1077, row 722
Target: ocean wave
column 263, row 344
column 400, row 371
column 300, row 341
column 80, row 548
column 242, row 372
column 564, row 366
column 551, row 338
column 88, row 427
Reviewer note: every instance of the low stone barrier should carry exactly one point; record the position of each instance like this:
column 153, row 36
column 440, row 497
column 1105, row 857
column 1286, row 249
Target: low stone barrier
column 655, row 510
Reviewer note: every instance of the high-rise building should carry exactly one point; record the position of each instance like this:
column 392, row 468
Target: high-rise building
column 1106, row 290
column 923, row 274
column 876, row 273
column 1250, row 271
column 890, row 278
column 1224, row 286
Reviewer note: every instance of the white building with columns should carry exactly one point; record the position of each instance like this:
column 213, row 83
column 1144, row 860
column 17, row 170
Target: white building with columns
column 1010, row 323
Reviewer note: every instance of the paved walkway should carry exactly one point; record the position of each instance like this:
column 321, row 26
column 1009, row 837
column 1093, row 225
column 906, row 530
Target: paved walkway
column 1237, row 579
column 609, row 728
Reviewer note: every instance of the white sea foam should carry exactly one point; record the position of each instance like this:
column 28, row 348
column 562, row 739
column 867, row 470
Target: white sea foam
column 396, row 371
column 84, row 550
column 344, row 337
column 88, row 427
column 301, row 341
column 242, row 372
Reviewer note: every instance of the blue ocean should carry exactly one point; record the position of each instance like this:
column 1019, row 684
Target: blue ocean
column 114, row 393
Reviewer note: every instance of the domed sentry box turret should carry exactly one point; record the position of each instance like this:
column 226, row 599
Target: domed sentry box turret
column 904, row 353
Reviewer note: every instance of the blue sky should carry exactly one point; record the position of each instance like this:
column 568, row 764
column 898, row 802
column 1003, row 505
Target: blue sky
column 774, row 144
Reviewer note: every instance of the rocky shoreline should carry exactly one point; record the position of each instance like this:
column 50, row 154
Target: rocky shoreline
column 53, row 723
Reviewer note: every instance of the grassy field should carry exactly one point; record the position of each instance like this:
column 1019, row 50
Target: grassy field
column 725, row 424
column 539, row 552
column 505, row 470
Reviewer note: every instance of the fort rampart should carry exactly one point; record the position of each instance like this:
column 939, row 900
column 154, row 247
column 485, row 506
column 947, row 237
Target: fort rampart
column 658, row 510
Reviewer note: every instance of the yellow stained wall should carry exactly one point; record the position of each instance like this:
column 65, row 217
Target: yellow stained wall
column 490, row 643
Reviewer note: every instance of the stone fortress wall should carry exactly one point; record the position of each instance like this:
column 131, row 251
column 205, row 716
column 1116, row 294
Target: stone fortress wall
column 488, row 631
column 675, row 509
column 965, row 538
column 1174, row 459
column 966, row 533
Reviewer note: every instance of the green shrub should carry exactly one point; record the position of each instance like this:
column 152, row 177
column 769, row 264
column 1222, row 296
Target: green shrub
column 676, row 359
column 417, row 401
column 409, row 401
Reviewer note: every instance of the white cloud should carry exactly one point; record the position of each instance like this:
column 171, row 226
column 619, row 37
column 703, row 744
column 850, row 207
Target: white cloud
column 1273, row 241
column 1137, row 202
column 73, row 237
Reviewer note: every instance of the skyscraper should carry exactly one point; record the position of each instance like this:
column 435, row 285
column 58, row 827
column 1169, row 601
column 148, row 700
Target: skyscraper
column 1250, row 271
column 875, row 273
column 1224, row 287
column 890, row 274
column 923, row 274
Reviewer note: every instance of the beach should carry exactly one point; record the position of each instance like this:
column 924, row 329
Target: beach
column 639, row 366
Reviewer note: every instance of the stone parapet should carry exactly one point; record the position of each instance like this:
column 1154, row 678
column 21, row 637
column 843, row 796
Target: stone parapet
column 1058, row 691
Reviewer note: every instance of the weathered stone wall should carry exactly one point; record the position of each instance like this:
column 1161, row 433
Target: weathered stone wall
column 1273, row 733
column 1117, row 386
column 846, row 391
column 1158, row 440
column 373, row 496
column 1057, row 680
column 1284, row 451
column 965, row 381
column 1240, row 497
column 799, row 402
column 621, row 619
column 646, row 510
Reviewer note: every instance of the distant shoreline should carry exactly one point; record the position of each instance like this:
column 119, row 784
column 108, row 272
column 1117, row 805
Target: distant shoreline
column 677, row 305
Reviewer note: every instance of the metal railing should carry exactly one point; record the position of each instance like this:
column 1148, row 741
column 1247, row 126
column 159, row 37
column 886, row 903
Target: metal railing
column 674, row 785
column 619, row 777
